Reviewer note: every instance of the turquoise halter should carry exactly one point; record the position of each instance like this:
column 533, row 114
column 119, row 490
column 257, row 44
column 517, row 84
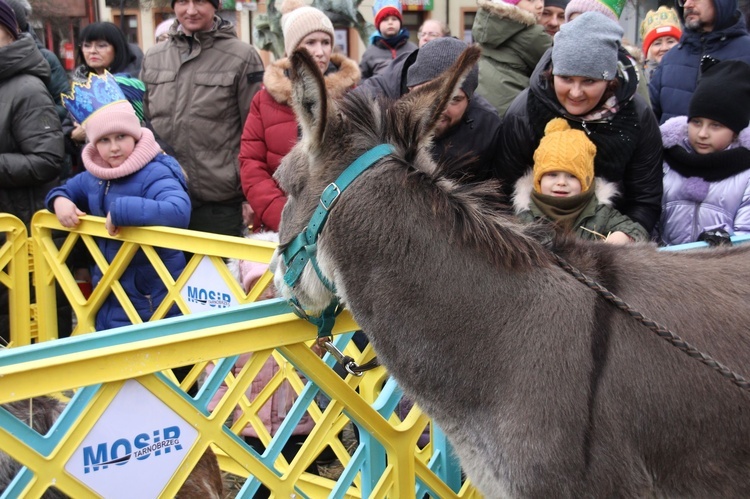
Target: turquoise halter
column 303, row 248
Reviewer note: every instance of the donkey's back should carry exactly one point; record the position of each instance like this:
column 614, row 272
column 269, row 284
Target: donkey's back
column 643, row 418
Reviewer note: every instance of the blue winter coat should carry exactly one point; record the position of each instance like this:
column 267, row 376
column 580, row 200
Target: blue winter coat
column 690, row 207
column 154, row 195
column 674, row 81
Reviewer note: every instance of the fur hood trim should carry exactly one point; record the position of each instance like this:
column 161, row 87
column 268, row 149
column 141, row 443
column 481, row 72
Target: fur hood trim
column 674, row 132
column 507, row 11
column 338, row 82
column 605, row 192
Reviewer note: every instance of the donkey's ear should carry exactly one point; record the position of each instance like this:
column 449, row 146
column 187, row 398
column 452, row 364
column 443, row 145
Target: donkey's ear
column 426, row 104
column 309, row 99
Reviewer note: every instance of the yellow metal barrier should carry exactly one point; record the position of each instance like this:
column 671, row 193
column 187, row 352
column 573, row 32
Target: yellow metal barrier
column 130, row 368
column 14, row 277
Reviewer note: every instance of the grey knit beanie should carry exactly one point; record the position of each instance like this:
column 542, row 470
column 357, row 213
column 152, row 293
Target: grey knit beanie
column 587, row 46
column 22, row 8
column 435, row 58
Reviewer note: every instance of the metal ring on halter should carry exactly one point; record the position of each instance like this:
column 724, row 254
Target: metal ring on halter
column 297, row 309
column 353, row 369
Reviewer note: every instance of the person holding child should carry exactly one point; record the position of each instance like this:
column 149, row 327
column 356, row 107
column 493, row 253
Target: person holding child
column 707, row 158
column 590, row 82
column 131, row 182
column 562, row 189
column 388, row 42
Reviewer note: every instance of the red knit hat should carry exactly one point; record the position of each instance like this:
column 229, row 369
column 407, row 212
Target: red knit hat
column 384, row 8
column 658, row 23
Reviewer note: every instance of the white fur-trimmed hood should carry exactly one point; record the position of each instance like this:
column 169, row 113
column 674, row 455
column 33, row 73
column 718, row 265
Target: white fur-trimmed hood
column 606, row 192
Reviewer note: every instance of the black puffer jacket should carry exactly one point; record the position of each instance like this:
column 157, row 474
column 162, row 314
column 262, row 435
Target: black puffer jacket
column 31, row 138
column 31, row 146
column 629, row 149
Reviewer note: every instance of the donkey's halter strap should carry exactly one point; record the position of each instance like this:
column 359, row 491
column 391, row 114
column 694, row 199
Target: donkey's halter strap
column 303, row 248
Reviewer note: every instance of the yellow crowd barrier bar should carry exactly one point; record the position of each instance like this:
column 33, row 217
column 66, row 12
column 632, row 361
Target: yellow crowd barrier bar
column 14, row 277
column 130, row 368
column 98, row 366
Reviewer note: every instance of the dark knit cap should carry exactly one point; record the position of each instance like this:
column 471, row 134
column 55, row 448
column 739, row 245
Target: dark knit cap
column 435, row 58
column 556, row 3
column 215, row 3
column 22, row 9
column 8, row 19
column 723, row 95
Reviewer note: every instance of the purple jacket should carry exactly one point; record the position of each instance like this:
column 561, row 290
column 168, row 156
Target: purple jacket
column 691, row 205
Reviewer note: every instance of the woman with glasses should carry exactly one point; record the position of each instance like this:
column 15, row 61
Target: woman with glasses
column 103, row 47
column 432, row 29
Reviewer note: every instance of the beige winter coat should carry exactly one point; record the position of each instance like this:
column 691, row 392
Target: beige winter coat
column 197, row 98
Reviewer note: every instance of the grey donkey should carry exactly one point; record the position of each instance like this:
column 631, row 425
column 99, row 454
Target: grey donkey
column 544, row 388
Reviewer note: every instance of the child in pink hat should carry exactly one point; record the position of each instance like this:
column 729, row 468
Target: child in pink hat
column 129, row 181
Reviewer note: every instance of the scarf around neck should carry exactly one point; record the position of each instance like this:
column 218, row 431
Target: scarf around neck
column 145, row 150
column 563, row 211
column 711, row 167
column 393, row 42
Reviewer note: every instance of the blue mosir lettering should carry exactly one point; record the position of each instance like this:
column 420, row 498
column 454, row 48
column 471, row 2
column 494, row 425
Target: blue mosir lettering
column 91, row 461
column 140, row 442
column 172, row 432
column 128, row 449
column 122, row 449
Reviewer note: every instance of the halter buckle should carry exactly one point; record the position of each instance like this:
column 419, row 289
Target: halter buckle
column 330, row 195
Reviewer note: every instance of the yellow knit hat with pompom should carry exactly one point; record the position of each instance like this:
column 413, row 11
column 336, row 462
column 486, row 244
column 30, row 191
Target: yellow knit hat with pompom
column 563, row 149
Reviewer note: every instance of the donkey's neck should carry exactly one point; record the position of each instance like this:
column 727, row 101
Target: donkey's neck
column 433, row 307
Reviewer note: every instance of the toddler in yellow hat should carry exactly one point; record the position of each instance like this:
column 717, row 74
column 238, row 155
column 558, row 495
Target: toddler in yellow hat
column 562, row 189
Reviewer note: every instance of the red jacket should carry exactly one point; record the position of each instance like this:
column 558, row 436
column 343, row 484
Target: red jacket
column 271, row 132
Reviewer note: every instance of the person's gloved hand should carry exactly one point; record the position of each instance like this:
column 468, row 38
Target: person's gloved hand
column 715, row 237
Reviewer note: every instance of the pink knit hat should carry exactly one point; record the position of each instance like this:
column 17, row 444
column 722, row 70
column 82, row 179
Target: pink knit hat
column 118, row 117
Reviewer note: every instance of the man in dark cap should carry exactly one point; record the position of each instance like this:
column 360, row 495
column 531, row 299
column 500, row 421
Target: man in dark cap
column 469, row 126
column 553, row 16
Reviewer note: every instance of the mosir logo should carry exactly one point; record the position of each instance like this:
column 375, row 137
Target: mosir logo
column 134, row 448
column 208, row 298
column 141, row 447
column 206, row 289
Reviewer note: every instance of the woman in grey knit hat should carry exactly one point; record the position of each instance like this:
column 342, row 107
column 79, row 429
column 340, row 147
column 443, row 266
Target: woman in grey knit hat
column 587, row 80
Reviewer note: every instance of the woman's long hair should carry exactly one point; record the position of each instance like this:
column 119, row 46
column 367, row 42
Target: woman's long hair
column 111, row 34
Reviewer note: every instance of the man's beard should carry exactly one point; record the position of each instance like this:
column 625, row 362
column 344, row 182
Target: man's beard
column 694, row 24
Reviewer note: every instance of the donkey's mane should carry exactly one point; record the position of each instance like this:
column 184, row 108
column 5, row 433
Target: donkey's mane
column 475, row 211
